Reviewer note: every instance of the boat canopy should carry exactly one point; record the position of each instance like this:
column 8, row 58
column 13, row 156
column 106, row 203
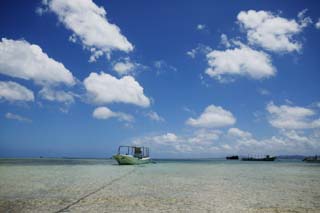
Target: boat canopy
column 136, row 151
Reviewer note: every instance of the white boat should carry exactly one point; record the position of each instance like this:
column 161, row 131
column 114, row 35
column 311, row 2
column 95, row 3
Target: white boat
column 132, row 155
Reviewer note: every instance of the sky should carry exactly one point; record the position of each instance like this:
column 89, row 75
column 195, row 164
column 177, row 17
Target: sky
column 189, row 79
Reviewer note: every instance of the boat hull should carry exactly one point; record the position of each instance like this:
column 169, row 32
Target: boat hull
column 315, row 159
column 259, row 159
column 130, row 160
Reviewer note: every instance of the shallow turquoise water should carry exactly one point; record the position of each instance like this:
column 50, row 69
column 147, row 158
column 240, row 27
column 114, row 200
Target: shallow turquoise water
column 96, row 185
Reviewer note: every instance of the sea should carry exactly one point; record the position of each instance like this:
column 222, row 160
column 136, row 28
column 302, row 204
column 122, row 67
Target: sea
column 167, row 185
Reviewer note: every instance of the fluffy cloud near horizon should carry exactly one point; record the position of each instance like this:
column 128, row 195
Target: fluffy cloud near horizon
column 292, row 117
column 213, row 117
column 243, row 61
column 208, row 143
column 104, row 113
column 90, row 25
column 12, row 91
column 235, row 132
column 104, row 88
column 20, row 59
column 271, row 31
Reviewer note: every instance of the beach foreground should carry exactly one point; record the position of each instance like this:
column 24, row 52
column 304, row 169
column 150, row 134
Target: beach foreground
column 71, row 185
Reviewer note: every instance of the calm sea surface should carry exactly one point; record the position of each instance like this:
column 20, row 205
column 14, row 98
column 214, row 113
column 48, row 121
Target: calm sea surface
column 96, row 185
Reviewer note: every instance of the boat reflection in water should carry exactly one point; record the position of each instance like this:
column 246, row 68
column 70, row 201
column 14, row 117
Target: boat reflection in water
column 266, row 158
column 132, row 155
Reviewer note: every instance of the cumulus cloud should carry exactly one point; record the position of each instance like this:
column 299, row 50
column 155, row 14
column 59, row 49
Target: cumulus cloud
column 12, row 91
column 208, row 143
column 165, row 141
column 242, row 61
column 235, row 132
column 203, row 137
column 105, row 113
column 88, row 22
column 201, row 141
column 125, row 66
column 13, row 116
column 213, row 117
column 154, row 116
column 271, row 31
column 104, row 88
column 56, row 95
column 291, row 117
column 166, row 138
column 20, row 59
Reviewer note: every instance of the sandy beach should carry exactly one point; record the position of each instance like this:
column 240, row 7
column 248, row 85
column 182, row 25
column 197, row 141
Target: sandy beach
column 167, row 186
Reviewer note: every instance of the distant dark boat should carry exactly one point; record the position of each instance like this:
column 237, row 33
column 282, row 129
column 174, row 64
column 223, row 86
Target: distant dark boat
column 233, row 157
column 314, row 159
column 267, row 158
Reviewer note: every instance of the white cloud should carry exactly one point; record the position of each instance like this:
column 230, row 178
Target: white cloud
column 201, row 141
column 317, row 25
column 105, row 113
column 12, row 91
column 242, row 61
column 303, row 20
column 56, row 95
column 287, row 142
column 73, row 38
column 291, row 117
column 271, row 31
column 20, row 59
column 224, row 40
column 235, row 132
column 13, row 116
column 89, row 23
column 104, row 88
column 192, row 53
column 125, row 66
column 95, row 54
column 200, row 49
column 203, row 137
column 167, row 139
column 154, row 116
column 208, row 143
column 201, row 27
column 213, row 117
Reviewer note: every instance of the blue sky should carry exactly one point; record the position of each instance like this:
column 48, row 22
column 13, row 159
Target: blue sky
column 188, row 79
